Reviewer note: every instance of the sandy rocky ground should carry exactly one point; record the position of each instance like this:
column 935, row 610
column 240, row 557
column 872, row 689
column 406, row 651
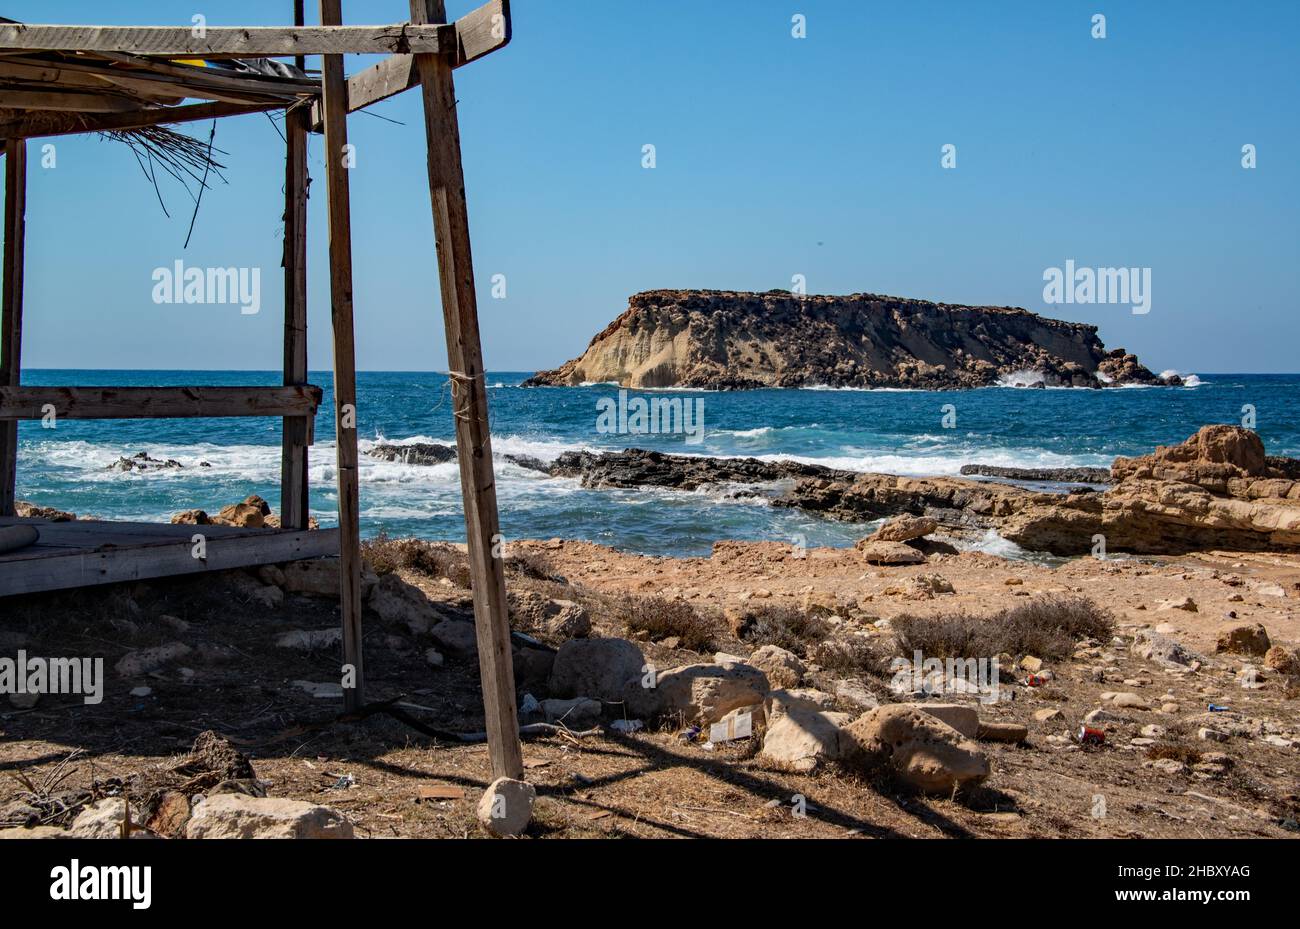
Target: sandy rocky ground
column 221, row 710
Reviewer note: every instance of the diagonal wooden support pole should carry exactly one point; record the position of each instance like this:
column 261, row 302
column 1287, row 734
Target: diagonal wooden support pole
column 345, row 363
column 11, row 318
column 469, row 400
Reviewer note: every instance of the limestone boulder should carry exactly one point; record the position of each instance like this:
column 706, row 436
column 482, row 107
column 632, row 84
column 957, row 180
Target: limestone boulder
column 920, row 750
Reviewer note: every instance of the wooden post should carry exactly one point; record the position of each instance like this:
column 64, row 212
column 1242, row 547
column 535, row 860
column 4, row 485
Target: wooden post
column 469, row 398
column 345, row 364
column 297, row 432
column 11, row 318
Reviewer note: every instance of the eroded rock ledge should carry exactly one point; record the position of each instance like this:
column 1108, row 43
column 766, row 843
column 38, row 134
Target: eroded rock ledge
column 734, row 340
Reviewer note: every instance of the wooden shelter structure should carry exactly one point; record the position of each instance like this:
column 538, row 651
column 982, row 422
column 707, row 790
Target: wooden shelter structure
column 60, row 80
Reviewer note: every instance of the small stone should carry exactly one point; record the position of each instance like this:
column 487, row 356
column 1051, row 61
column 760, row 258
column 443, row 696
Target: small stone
column 239, row 816
column 1154, row 732
column 1129, row 701
column 1181, row 603
column 310, row 640
column 142, row 661
column 578, row 713
column 1048, row 715
column 1031, row 664
column 456, row 637
column 141, row 691
column 1244, row 639
column 1013, row 582
column 1206, row 734
column 1169, row 766
column 433, row 657
column 102, row 820
column 24, row 701
column 1169, row 708
column 890, row 553
column 506, row 807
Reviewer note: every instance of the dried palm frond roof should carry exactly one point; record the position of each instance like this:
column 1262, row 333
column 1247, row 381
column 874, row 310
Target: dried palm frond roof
column 48, row 90
column 128, row 98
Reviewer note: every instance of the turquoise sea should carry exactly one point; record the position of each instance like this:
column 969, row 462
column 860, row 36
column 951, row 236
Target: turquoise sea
column 894, row 431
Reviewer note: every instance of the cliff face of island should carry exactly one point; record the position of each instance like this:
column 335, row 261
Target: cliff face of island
column 733, row 340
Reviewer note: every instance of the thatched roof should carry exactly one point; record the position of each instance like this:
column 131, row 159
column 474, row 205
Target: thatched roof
column 60, row 92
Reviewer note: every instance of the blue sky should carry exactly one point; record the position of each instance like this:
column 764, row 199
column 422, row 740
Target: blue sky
column 775, row 156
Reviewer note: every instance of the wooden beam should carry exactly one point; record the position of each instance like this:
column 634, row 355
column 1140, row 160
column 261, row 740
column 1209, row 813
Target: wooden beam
column 227, row 42
column 11, row 315
column 65, row 101
column 133, row 552
column 478, row 33
column 154, row 402
column 74, row 124
column 297, row 430
column 469, row 401
column 345, row 364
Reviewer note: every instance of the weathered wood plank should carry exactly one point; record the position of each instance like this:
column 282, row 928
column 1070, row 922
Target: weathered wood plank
column 65, row 101
column 11, row 313
column 76, row 124
column 157, row 402
column 228, row 42
column 478, row 33
column 296, row 431
column 469, row 401
column 165, row 558
column 345, row 364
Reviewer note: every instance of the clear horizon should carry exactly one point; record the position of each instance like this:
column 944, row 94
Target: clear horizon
column 775, row 157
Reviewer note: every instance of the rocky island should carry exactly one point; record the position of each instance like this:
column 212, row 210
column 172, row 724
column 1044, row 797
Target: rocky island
column 724, row 340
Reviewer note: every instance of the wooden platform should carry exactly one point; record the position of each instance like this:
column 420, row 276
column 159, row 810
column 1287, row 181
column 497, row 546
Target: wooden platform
column 83, row 553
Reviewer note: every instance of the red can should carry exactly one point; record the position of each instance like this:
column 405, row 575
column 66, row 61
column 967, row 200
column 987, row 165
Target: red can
column 1091, row 736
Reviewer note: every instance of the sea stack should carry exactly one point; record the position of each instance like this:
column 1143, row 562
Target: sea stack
column 711, row 339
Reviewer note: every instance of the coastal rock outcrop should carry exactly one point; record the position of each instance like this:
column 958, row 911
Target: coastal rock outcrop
column 734, row 340
column 1217, row 490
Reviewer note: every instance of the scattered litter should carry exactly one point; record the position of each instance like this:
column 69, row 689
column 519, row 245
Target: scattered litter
column 1215, row 708
column 690, row 734
column 536, row 762
column 141, row 691
column 342, row 781
column 627, row 725
column 1090, row 736
column 731, row 728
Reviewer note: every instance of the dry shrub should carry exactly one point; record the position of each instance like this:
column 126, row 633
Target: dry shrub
column 852, row 656
column 1184, row 753
column 535, row 566
column 785, row 626
column 431, row 559
column 660, row 619
column 1047, row 627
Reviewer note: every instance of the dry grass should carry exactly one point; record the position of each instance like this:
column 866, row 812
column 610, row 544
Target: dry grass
column 660, row 619
column 848, row 657
column 785, row 626
column 1184, row 753
column 431, row 559
column 1047, row 627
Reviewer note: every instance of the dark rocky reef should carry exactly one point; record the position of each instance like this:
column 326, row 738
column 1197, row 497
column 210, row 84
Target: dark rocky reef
column 419, row 453
column 1060, row 475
